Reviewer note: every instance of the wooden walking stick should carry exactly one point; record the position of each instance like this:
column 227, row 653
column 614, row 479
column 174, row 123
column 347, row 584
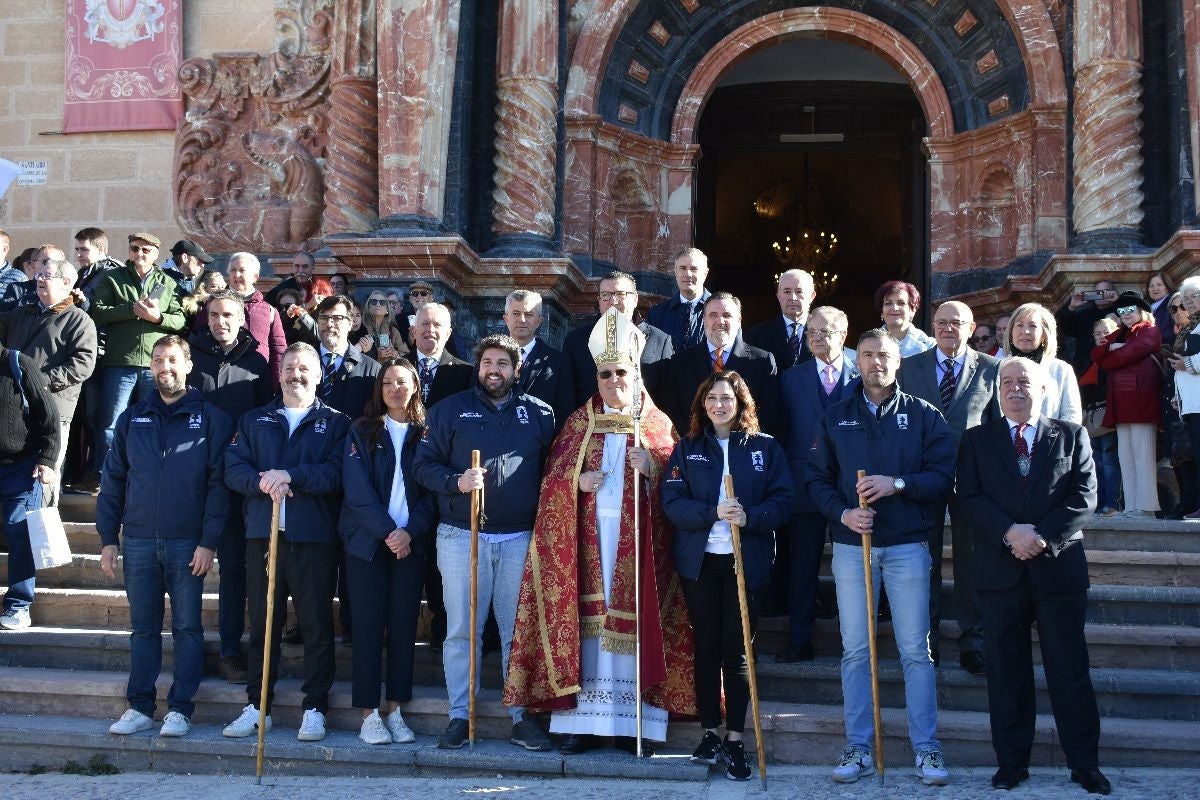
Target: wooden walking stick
column 870, row 585
column 747, row 639
column 473, row 662
column 272, row 563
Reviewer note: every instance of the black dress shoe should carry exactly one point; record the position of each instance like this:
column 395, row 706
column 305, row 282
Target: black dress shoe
column 972, row 661
column 1009, row 777
column 794, row 654
column 1092, row 780
column 629, row 745
column 291, row 635
column 578, row 743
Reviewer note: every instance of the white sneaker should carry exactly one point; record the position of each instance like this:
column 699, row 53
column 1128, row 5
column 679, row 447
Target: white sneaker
column 931, row 768
column 131, row 721
column 401, row 733
column 175, row 724
column 246, row 724
column 373, row 731
column 15, row 619
column 312, row 727
column 856, row 763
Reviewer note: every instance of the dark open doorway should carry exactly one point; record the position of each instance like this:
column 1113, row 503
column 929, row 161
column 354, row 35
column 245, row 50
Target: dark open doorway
column 839, row 156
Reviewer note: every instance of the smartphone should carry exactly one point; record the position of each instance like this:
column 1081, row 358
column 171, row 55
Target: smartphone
column 385, row 340
column 1093, row 295
column 157, row 291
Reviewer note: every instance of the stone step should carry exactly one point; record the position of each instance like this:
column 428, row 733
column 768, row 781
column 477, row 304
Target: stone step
column 793, row 732
column 1132, row 693
column 84, row 573
column 1120, row 644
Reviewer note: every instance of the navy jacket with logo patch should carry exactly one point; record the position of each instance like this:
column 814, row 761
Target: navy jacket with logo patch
column 164, row 474
column 513, row 443
column 908, row 440
column 312, row 455
column 761, row 482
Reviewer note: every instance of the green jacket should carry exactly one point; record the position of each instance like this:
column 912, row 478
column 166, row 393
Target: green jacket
column 130, row 338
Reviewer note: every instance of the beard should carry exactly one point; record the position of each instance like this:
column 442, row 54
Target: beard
column 502, row 391
column 171, row 385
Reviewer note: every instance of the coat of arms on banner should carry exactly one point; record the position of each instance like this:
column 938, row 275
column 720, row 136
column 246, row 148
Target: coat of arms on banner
column 123, row 22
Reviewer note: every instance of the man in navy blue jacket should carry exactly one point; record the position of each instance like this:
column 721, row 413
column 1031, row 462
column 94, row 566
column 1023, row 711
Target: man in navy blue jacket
column 906, row 449
column 163, row 486
column 681, row 316
column 512, row 433
column 290, row 452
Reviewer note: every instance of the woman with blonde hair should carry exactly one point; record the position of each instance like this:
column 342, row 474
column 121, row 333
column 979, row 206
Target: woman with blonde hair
column 381, row 327
column 1129, row 354
column 1033, row 333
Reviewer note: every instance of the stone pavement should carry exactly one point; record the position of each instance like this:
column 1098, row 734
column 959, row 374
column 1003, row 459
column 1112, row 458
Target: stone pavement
column 810, row 783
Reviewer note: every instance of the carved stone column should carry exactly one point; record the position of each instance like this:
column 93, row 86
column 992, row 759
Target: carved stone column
column 1107, row 125
column 418, row 45
column 352, row 164
column 526, row 128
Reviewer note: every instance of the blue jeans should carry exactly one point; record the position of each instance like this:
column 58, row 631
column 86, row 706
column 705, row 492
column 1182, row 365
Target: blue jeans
column 21, row 494
column 121, row 387
column 1108, row 470
column 904, row 569
column 501, row 567
column 153, row 566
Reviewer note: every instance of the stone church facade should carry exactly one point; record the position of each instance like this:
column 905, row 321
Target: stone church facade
column 498, row 144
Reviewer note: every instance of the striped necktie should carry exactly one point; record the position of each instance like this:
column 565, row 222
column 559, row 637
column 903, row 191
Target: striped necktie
column 327, row 374
column 719, row 361
column 947, row 385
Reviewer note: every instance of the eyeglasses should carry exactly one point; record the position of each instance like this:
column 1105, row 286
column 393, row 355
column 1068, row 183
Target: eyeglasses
column 420, row 293
column 133, row 248
column 605, row 374
column 949, row 323
column 375, row 301
column 1123, row 310
column 336, row 319
column 608, row 296
column 46, row 276
column 823, row 333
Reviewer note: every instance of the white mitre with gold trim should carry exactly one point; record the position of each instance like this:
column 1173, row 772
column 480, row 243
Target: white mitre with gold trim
column 616, row 340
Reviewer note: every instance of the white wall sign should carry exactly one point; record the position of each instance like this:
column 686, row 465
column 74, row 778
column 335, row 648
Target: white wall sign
column 33, row 173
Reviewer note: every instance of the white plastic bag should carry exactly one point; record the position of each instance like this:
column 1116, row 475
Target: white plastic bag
column 48, row 538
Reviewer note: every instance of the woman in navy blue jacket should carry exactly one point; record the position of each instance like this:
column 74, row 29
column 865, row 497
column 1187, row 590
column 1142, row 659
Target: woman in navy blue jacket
column 724, row 439
column 386, row 525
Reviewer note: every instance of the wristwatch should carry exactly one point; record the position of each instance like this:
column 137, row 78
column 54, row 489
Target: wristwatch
column 899, row 484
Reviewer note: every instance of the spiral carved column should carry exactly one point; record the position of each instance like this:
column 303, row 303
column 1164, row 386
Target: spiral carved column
column 352, row 163
column 1108, row 129
column 526, row 126
column 525, row 156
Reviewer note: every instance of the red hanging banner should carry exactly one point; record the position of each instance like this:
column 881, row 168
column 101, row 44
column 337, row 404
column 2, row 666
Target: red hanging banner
column 122, row 65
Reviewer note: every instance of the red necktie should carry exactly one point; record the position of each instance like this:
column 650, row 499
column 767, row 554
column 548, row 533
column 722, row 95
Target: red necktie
column 719, row 361
column 1022, row 448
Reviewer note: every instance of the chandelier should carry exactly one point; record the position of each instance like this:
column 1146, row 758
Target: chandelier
column 808, row 246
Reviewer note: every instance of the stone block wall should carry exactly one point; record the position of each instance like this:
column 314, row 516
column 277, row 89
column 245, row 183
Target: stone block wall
column 118, row 181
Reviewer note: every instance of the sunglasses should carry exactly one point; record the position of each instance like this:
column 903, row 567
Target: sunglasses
column 605, row 374
column 978, row 339
column 1176, row 308
column 375, row 301
column 133, row 248
column 420, row 293
column 1123, row 310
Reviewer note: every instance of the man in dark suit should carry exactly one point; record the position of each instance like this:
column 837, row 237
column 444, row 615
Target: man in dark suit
column 809, row 389
column 543, row 372
column 680, row 316
column 347, row 373
column 617, row 290
column 961, row 382
column 1028, row 485
column 722, row 348
column 783, row 336
column 441, row 375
